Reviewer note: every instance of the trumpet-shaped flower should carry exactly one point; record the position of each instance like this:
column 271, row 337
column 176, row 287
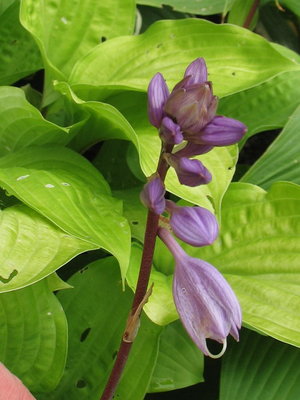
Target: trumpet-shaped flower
column 206, row 304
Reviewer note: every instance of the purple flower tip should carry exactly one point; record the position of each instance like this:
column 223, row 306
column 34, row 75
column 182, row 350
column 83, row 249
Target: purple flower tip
column 170, row 132
column 197, row 71
column 193, row 149
column 194, row 225
column 206, row 304
column 152, row 195
column 189, row 172
column 221, row 131
column 158, row 93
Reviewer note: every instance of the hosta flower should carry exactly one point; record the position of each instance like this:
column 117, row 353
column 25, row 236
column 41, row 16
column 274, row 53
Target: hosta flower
column 170, row 132
column 194, row 225
column 11, row 388
column 153, row 195
column 189, row 172
column 206, row 304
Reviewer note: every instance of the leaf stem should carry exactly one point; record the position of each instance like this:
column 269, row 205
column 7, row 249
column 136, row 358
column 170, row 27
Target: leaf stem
column 251, row 14
column 140, row 295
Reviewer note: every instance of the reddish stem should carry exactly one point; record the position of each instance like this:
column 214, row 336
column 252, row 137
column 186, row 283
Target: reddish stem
column 141, row 287
column 251, row 13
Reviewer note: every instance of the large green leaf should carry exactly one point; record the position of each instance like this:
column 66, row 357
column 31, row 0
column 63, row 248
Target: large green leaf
column 258, row 252
column 65, row 188
column 65, row 30
column 97, row 309
column 22, row 125
column 19, row 55
column 281, row 161
column 266, row 106
column 179, row 363
column 244, row 58
column 31, row 247
column 220, row 161
column 33, row 331
column 201, row 7
column 260, row 368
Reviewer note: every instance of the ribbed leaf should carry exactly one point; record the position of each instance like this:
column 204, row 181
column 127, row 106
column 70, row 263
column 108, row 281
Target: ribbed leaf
column 22, row 125
column 33, row 333
column 266, row 106
column 260, row 368
column 81, row 24
column 97, row 309
column 281, row 161
column 65, row 188
column 244, row 59
column 31, row 247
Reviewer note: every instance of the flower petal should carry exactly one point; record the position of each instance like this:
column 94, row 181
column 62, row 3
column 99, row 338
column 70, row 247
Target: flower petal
column 158, row 93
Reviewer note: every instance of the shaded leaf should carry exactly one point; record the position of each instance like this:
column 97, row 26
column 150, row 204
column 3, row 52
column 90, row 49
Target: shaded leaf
column 33, row 333
column 260, row 368
column 201, row 7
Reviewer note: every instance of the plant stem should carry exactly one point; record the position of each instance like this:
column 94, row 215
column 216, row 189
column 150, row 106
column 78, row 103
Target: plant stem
column 251, row 13
column 140, row 295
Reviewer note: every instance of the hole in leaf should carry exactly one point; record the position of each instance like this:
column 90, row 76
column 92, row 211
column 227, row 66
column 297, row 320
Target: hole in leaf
column 233, row 73
column 81, row 384
column 85, row 334
column 103, row 39
column 135, row 222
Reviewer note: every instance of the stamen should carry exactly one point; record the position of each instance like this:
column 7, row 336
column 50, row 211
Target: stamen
column 224, row 341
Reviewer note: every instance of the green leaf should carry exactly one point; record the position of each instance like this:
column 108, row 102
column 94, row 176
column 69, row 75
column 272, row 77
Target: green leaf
column 102, row 121
column 271, row 103
column 200, row 7
column 244, row 59
column 179, row 363
column 32, row 247
column 220, row 161
column 97, row 309
column 258, row 252
column 65, row 188
column 22, row 125
column 19, row 55
column 160, row 307
column 282, row 158
column 239, row 13
column 33, row 333
column 260, row 368
column 82, row 25
column 293, row 5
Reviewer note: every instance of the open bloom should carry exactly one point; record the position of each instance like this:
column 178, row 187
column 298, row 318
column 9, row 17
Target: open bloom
column 206, row 304
column 194, row 225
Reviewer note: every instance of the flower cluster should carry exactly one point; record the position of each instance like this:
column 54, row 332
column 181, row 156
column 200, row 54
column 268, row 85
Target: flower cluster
column 188, row 126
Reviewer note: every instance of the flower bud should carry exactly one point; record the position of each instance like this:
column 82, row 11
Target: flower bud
column 194, row 225
column 197, row 72
column 158, row 93
column 189, row 172
column 206, row 304
column 192, row 107
column 11, row 387
column 152, row 195
column 220, row 131
column 170, row 132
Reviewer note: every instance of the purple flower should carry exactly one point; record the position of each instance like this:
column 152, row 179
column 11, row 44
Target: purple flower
column 194, row 225
column 170, row 132
column 153, row 195
column 220, row 131
column 197, row 72
column 189, row 172
column 206, row 304
column 158, row 93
